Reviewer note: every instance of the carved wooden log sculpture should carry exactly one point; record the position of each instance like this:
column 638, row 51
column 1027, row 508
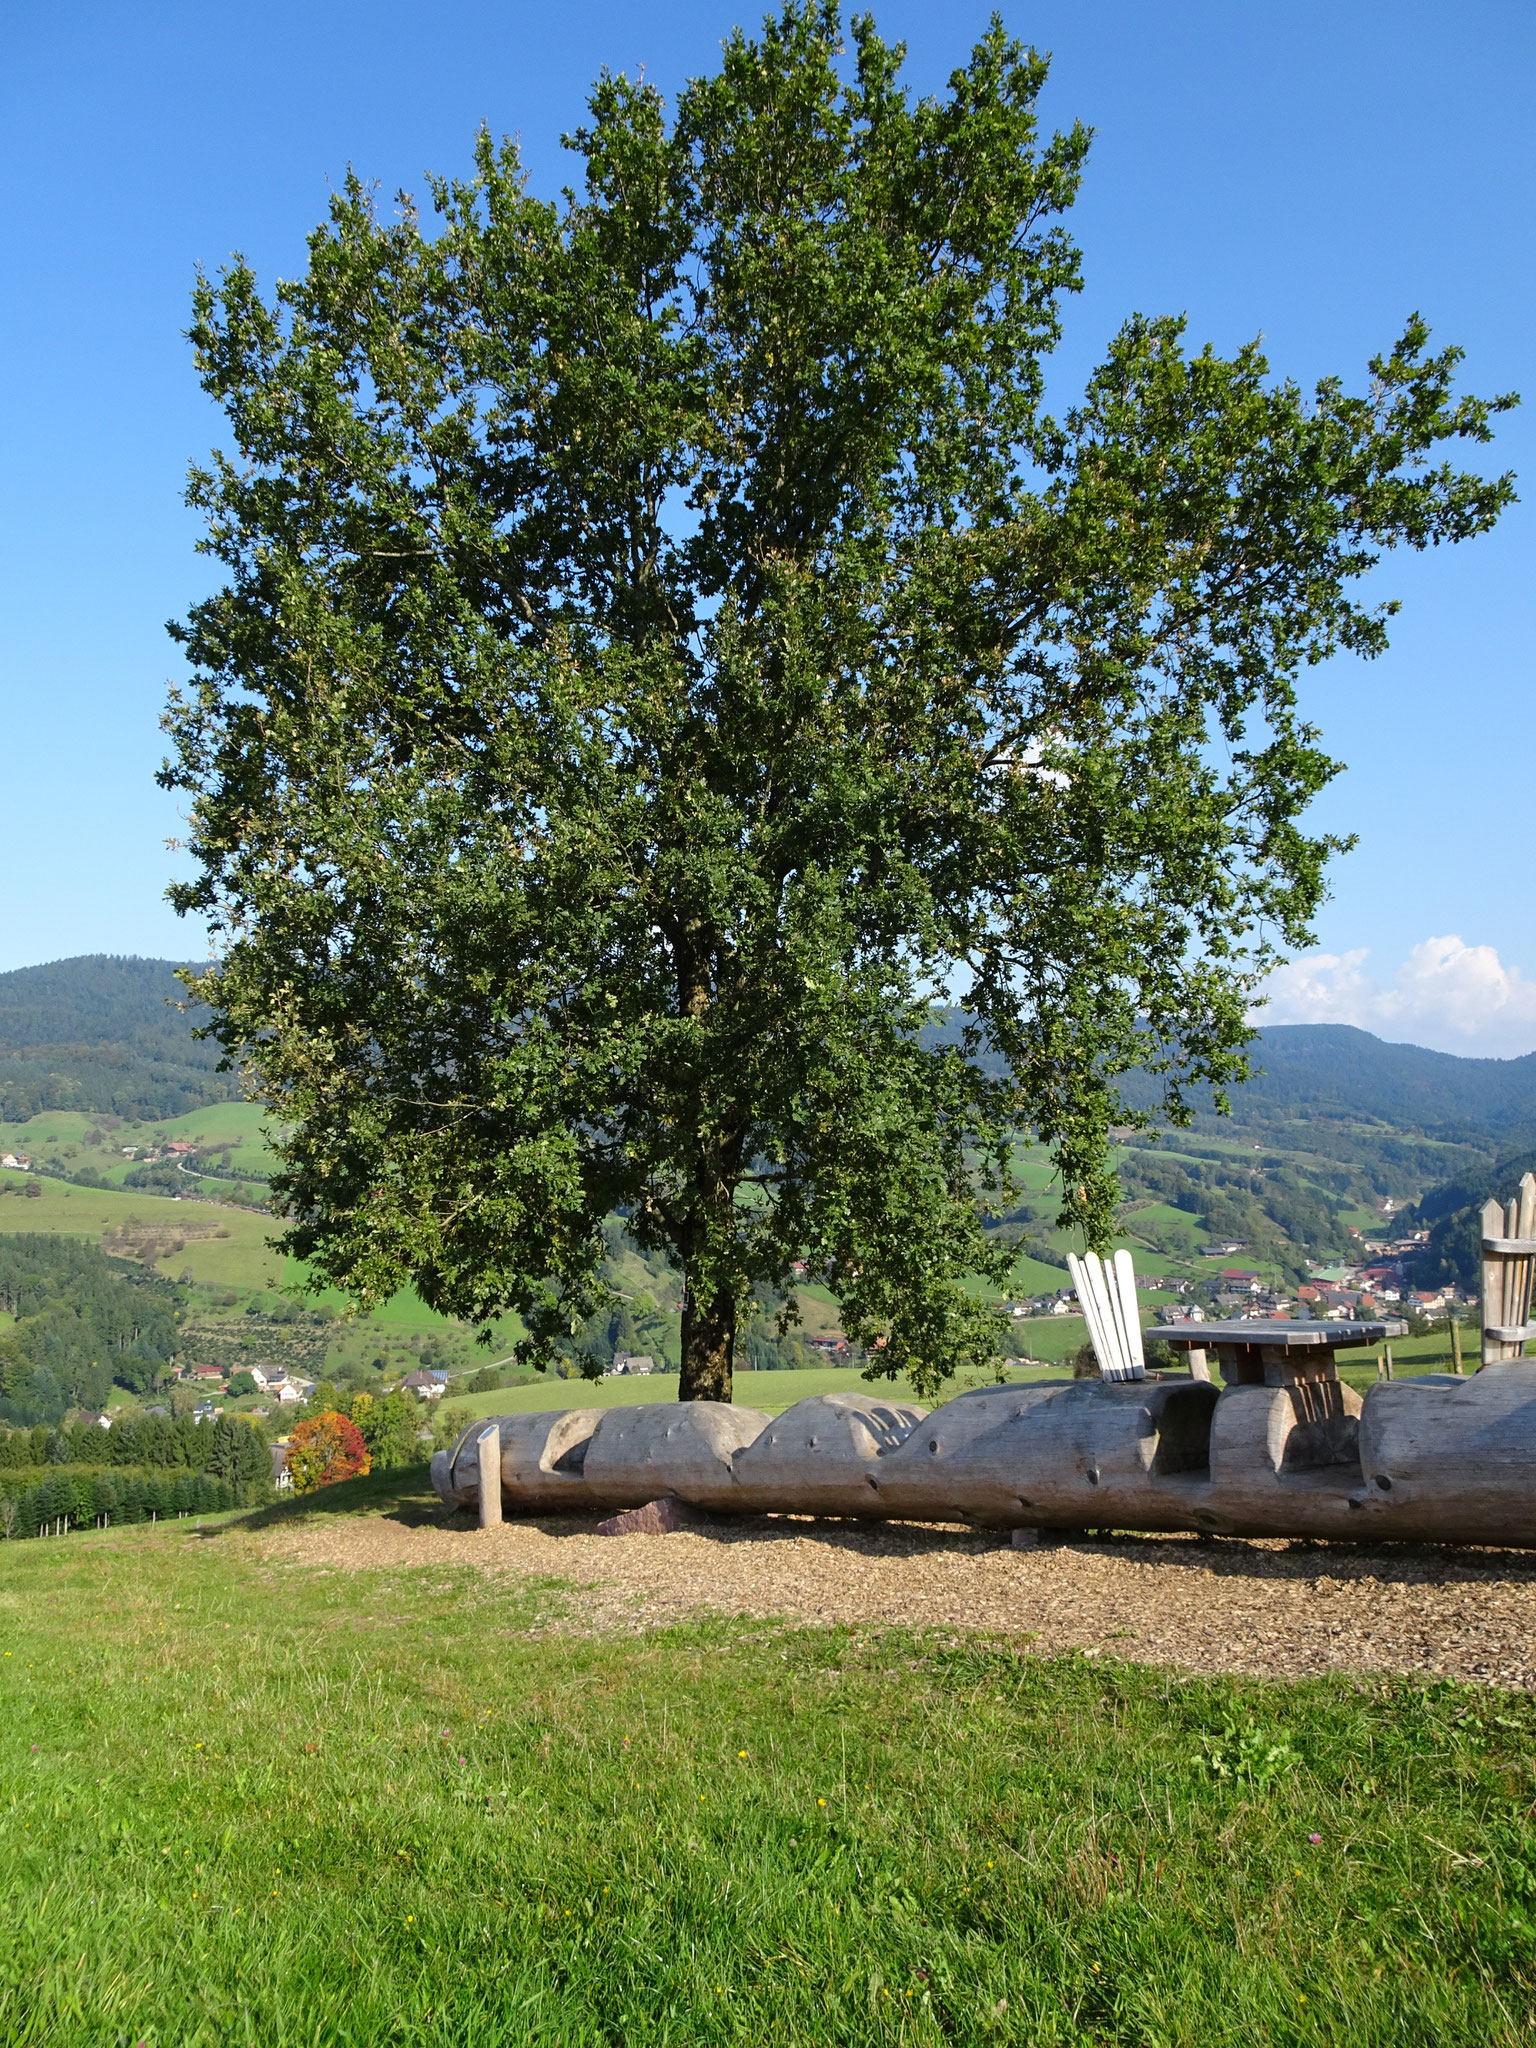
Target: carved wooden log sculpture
column 1439, row 1458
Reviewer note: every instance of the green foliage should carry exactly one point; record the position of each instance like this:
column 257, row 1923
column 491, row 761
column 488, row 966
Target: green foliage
column 84, row 1498
column 160, row 1439
column 230, row 1446
column 390, row 1428
column 448, row 1423
column 549, row 1835
column 238, row 1456
column 766, row 1351
column 155, row 1465
column 1246, row 1758
column 24, row 1446
column 665, row 645
column 165, row 1177
column 82, row 1322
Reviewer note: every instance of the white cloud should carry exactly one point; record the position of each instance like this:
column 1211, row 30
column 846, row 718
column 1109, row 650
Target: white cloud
column 1446, row 994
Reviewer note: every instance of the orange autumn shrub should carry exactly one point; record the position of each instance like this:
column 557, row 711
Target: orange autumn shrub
column 326, row 1448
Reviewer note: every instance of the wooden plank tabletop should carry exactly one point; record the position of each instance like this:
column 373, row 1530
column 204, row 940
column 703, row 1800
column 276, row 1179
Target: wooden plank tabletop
column 1290, row 1336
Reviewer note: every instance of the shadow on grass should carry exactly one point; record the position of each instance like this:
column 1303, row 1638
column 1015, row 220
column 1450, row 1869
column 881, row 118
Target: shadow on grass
column 406, row 1497
column 1300, row 1559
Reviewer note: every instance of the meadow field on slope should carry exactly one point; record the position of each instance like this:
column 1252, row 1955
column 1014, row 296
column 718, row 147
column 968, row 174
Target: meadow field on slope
column 247, row 1796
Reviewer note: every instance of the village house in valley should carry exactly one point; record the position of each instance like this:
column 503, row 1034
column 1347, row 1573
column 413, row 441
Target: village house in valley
column 430, row 1383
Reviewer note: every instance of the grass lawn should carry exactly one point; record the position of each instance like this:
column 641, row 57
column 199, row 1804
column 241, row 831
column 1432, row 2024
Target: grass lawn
column 1429, row 1353
column 61, row 1133
column 405, row 1311
column 1034, row 1276
column 225, row 1247
column 1176, row 1224
column 43, row 1132
column 233, row 1254
column 243, row 1123
column 244, row 1802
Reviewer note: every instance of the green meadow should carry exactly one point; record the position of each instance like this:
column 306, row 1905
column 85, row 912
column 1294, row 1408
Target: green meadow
column 237, row 1127
column 769, row 1392
column 248, row 1801
column 222, row 1246
column 223, row 1251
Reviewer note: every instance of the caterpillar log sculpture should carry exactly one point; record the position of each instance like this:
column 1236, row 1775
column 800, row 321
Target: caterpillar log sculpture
column 1285, row 1448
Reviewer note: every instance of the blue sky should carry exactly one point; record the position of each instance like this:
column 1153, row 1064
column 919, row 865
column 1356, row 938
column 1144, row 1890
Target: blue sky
column 1311, row 172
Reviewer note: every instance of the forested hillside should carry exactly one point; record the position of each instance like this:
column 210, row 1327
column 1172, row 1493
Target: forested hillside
column 1452, row 1214
column 102, row 1034
column 1332, row 1070
column 1335, row 1071
column 81, row 1321
column 1339, row 1119
column 1335, row 1126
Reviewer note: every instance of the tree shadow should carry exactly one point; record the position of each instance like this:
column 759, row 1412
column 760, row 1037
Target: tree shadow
column 1301, row 1559
column 406, row 1496
column 1315, row 1559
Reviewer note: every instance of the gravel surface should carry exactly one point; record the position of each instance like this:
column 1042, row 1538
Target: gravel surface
column 1268, row 1608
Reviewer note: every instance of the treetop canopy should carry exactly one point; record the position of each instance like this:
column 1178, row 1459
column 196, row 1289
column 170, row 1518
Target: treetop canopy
column 666, row 648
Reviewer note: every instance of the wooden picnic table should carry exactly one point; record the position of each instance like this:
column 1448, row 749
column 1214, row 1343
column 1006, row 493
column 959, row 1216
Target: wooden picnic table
column 1272, row 1351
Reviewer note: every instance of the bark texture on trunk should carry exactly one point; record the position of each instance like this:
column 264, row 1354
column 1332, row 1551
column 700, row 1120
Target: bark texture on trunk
column 709, row 1339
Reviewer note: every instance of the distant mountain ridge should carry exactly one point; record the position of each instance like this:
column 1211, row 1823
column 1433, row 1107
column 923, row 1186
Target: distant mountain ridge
column 1337, row 1070
column 100, row 1033
column 1337, row 1067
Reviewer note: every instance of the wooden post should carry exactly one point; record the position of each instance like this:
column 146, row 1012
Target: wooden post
column 1509, row 1259
column 1455, row 1344
column 1198, row 1369
column 488, row 1448
column 1386, row 1352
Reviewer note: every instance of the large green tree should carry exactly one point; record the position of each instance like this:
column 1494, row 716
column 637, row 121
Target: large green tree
column 666, row 648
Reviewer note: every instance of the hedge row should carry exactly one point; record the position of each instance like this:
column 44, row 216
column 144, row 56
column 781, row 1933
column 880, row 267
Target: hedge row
column 84, row 1500
column 16, row 1485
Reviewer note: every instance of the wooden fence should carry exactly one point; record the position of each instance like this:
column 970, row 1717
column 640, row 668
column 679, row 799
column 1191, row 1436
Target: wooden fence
column 1509, row 1262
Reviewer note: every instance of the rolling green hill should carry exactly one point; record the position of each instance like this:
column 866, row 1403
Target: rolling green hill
column 1336, row 1071
column 102, row 1087
column 1339, row 1074
column 103, row 1033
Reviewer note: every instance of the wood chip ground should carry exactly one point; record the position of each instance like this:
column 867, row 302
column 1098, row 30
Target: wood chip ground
column 1269, row 1608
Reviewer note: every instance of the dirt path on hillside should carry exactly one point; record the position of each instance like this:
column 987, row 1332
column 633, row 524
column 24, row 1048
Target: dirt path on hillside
column 1270, row 1608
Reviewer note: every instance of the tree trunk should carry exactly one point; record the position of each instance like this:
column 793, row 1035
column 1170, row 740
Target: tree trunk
column 709, row 1339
